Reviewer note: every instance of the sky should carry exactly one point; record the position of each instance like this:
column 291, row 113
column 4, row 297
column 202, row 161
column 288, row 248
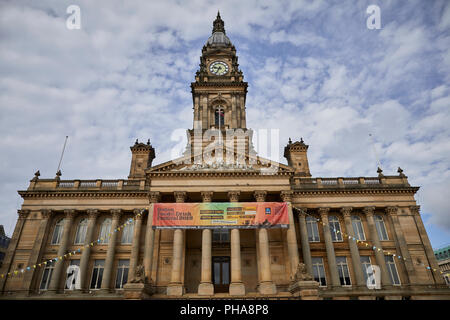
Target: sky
column 314, row 68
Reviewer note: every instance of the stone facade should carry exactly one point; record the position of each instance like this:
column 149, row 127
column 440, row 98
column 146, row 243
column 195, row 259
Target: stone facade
column 308, row 260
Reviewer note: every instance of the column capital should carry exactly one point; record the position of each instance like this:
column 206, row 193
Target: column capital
column 116, row 213
column 346, row 211
column 46, row 213
column 23, row 214
column 154, row 196
column 286, row 195
column 260, row 195
column 207, row 196
column 69, row 213
column 368, row 211
column 415, row 210
column 324, row 212
column 391, row 210
column 234, row 196
column 137, row 215
column 180, row 196
column 92, row 213
column 302, row 211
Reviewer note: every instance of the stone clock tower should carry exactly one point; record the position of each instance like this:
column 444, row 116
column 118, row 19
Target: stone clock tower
column 219, row 92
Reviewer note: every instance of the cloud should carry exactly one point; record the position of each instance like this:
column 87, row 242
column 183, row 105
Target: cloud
column 314, row 71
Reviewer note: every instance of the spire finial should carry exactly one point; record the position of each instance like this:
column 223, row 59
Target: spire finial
column 218, row 24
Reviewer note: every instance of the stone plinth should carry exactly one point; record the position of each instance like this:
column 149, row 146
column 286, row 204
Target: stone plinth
column 237, row 289
column 206, row 289
column 267, row 287
column 175, row 290
column 306, row 290
column 137, row 291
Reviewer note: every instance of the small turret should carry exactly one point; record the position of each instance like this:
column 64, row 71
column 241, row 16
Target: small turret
column 141, row 159
column 297, row 157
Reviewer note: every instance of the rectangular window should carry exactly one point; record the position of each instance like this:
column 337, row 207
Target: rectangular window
column 122, row 273
column 365, row 261
column 127, row 233
column 312, row 229
column 46, row 276
column 221, row 235
column 381, row 228
column 97, row 274
column 319, row 271
column 344, row 275
column 71, row 274
column 393, row 274
column 358, row 228
column 335, row 229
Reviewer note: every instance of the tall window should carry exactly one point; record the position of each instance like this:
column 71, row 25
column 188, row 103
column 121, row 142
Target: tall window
column 358, row 228
column 97, row 274
column 393, row 274
column 47, row 275
column 221, row 235
column 313, row 230
column 335, row 228
column 319, row 271
column 81, row 232
column 57, row 233
column 381, row 228
column 105, row 229
column 219, row 118
column 127, row 233
column 344, row 275
column 72, row 284
column 122, row 273
column 366, row 264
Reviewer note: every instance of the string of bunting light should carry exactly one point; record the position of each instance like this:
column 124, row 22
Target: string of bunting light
column 385, row 252
column 69, row 254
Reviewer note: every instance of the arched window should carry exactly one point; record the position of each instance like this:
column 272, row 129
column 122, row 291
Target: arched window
column 219, row 118
column 312, row 229
column 358, row 228
column 335, row 228
column 127, row 233
column 105, row 229
column 81, row 232
column 57, row 233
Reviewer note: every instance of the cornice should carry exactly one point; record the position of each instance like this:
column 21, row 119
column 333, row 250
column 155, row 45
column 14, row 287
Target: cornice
column 407, row 190
column 82, row 194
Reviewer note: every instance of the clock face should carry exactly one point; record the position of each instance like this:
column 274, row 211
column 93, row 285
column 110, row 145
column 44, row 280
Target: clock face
column 218, row 68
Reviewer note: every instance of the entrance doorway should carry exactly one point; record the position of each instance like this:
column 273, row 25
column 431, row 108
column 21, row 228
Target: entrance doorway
column 221, row 274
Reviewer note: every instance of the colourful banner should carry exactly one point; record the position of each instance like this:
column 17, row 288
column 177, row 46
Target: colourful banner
column 231, row 215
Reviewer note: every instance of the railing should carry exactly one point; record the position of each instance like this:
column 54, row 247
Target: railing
column 350, row 181
column 372, row 180
column 66, row 184
column 88, row 184
column 95, row 184
column 329, row 181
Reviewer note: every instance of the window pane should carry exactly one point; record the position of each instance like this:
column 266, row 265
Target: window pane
column 94, row 278
column 119, row 278
column 225, row 273
column 216, row 273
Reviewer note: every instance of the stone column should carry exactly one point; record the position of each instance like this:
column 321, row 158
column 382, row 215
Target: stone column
column 401, row 245
column 356, row 259
column 84, row 260
column 379, row 255
column 305, row 241
column 206, row 287
column 134, row 259
column 150, row 236
column 237, row 287
column 107, row 273
column 175, row 287
column 7, row 266
column 291, row 237
column 266, row 285
column 55, row 282
column 438, row 278
column 331, row 257
column 30, row 278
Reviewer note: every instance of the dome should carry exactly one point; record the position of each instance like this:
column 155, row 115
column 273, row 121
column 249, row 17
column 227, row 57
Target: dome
column 218, row 38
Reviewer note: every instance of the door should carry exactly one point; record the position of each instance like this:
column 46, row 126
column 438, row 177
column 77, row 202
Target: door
column 221, row 274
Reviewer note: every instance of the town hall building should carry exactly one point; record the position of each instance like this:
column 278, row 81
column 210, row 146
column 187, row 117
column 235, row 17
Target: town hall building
column 221, row 221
